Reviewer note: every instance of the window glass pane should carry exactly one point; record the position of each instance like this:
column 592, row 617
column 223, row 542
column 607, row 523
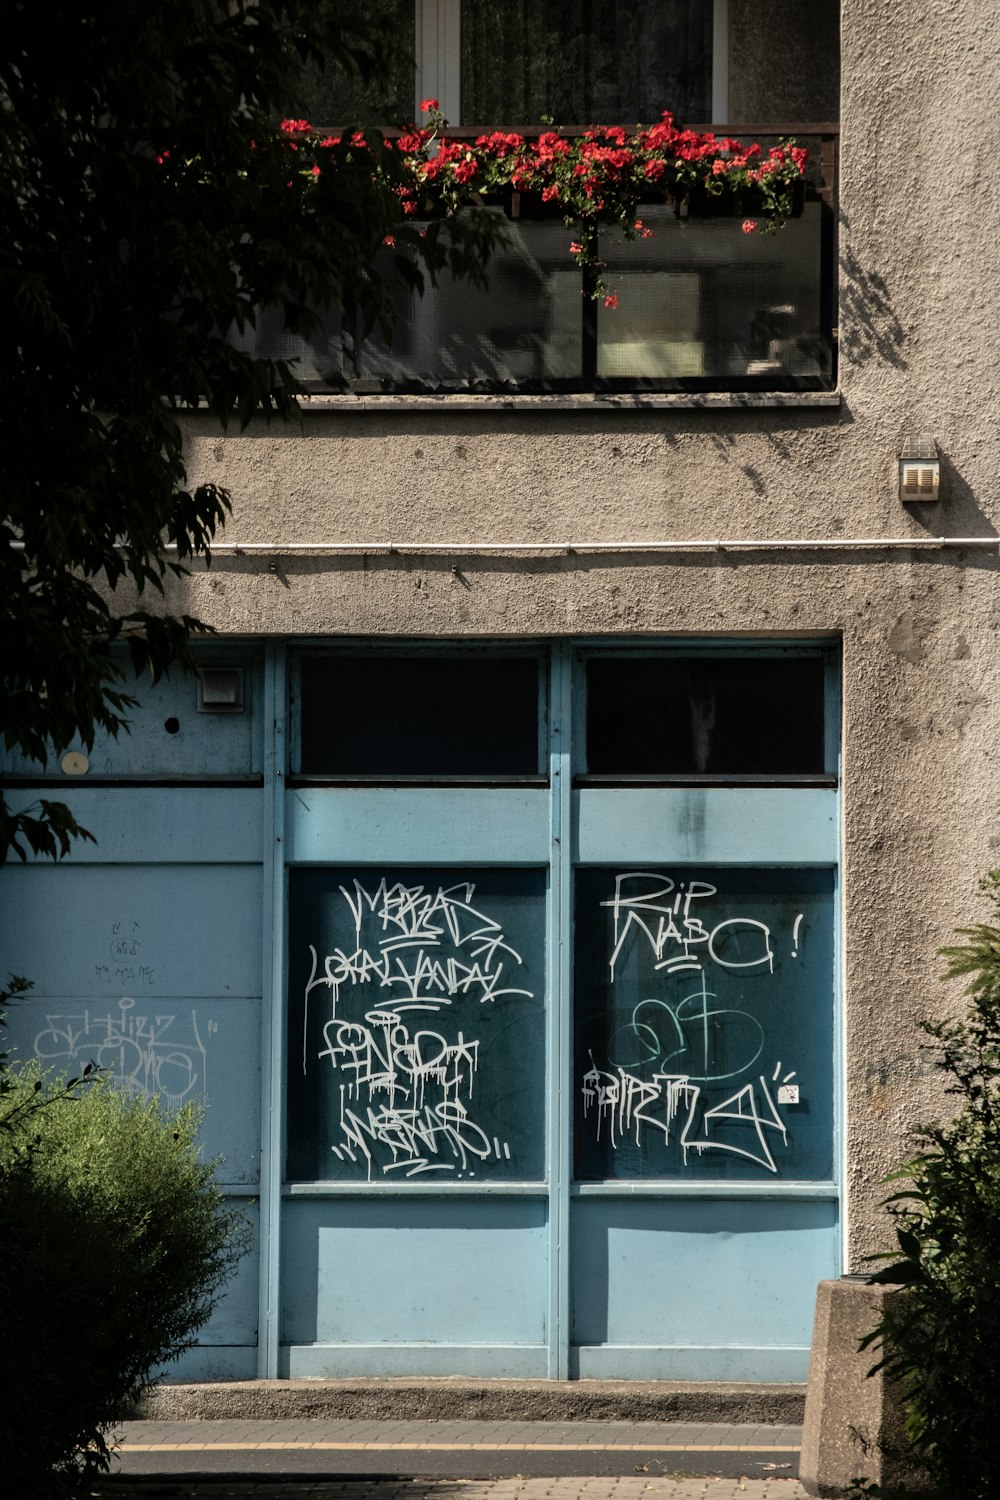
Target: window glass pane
column 337, row 97
column 704, row 1024
column 384, row 716
column 704, row 715
column 416, row 1025
column 585, row 61
column 316, row 360
column 699, row 298
column 524, row 328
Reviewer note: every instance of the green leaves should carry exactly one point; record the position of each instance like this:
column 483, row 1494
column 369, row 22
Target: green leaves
column 49, row 832
column 941, row 1338
column 110, row 1225
column 150, row 205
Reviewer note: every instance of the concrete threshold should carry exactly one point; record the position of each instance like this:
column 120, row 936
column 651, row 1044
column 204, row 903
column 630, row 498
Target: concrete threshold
column 453, row 1399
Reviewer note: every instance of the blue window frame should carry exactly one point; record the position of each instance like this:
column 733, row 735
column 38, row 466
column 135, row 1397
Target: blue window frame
column 666, row 1079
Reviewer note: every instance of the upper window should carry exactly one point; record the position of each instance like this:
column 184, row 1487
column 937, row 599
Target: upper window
column 574, row 61
column 648, row 714
column 335, row 96
column 389, row 716
column 690, row 302
column 706, row 716
column 578, row 62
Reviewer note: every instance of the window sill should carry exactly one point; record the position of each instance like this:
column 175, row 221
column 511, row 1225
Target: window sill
column 411, row 1188
column 674, row 401
column 679, row 1188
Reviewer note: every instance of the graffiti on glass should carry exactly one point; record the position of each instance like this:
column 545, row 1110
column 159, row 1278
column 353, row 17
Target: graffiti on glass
column 406, row 1082
column 682, row 1065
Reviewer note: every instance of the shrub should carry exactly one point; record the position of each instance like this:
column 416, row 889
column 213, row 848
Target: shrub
column 114, row 1243
column 942, row 1339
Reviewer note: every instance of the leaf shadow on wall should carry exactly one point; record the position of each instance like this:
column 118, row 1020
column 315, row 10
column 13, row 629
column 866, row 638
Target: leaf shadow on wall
column 870, row 328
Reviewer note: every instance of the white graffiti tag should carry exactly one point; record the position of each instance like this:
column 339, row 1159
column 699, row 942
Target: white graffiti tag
column 667, row 1059
column 405, row 1089
column 146, row 1052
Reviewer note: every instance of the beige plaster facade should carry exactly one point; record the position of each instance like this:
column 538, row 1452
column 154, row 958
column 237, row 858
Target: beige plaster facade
column 919, row 299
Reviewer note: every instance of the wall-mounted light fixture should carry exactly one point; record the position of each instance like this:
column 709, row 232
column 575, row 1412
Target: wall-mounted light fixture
column 919, row 469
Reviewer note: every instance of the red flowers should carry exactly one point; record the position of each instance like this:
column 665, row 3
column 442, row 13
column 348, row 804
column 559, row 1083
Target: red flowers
column 597, row 178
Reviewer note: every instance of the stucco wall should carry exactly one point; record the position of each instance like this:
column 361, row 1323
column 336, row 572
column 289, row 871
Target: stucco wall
column 920, row 315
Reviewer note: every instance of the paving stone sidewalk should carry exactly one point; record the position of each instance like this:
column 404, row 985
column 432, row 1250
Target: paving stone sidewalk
column 458, row 1460
column 622, row 1487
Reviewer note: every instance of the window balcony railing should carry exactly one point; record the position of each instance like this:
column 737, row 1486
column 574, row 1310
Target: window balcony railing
column 701, row 306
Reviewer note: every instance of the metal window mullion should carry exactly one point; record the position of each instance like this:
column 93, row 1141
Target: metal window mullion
column 720, row 62
column 559, row 1028
column 588, row 335
column 272, row 1014
column 439, row 56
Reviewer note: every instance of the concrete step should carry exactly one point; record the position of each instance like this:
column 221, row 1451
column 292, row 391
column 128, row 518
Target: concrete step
column 450, row 1399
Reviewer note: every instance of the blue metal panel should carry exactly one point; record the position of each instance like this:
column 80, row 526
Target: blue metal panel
column 709, row 1274
column 159, row 825
column 726, row 825
column 492, row 1361
column 139, row 930
column 423, row 1271
column 203, row 1052
column 234, row 1319
column 213, row 1362
column 423, row 825
column 167, row 736
column 151, row 973
column 752, row 1363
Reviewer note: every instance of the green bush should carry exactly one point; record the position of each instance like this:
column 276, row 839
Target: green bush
column 114, row 1244
column 942, row 1339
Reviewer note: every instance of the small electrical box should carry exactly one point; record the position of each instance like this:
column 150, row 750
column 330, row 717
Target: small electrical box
column 788, row 1093
column 220, row 690
column 919, row 470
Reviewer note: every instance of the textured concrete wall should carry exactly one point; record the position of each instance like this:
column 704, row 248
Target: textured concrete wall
column 920, row 316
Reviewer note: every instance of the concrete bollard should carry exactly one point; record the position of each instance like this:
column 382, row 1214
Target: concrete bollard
column 853, row 1424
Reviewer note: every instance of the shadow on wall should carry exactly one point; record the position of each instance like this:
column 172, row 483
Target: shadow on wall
column 869, row 327
column 958, row 512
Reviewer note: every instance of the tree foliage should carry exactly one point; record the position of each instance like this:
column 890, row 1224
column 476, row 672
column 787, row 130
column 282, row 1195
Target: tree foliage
column 942, row 1339
column 151, row 206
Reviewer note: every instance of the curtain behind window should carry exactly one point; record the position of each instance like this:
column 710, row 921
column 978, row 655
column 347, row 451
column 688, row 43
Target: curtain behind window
column 584, row 62
column 335, row 97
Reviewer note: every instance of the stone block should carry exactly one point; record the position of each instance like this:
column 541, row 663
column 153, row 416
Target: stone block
column 853, row 1422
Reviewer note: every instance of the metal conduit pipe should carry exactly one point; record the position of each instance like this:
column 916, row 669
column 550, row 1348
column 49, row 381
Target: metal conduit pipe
column 720, row 544
column 707, row 544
